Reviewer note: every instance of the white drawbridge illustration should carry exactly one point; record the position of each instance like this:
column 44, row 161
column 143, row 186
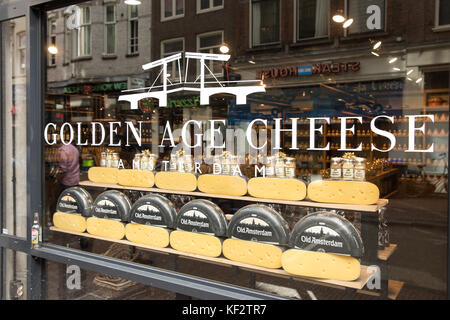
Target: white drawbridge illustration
column 205, row 89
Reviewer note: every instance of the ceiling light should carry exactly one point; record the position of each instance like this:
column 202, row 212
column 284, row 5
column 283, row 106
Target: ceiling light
column 348, row 23
column 410, row 71
column 339, row 16
column 251, row 62
column 397, row 69
column 409, row 79
column 377, row 45
column 393, row 60
column 224, row 49
column 132, row 2
column 375, row 54
column 419, row 80
column 52, row 49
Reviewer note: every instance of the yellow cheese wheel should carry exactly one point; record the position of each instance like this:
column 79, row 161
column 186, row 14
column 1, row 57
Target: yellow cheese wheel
column 136, row 178
column 278, row 189
column 69, row 222
column 176, row 181
column 196, row 243
column 254, row 253
column 225, row 185
column 103, row 175
column 106, row 228
column 148, row 235
column 321, row 265
column 344, row 192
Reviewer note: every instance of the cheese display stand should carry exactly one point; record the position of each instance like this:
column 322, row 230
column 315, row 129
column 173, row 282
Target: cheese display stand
column 257, row 238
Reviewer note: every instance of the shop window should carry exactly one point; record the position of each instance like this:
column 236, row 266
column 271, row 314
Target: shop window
column 110, row 29
column 442, row 13
column 210, row 43
column 172, row 9
column 313, row 18
column 51, row 41
column 82, row 34
column 21, row 50
column 368, row 15
column 133, row 30
column 209, row 5
column 168, row 48
column 265, row 22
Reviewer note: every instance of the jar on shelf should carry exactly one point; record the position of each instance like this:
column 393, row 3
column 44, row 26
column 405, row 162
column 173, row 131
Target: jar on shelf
column 152, row 159
column 270, row 166
column 188, row 164
column 233, row 164
column 173, row 162
column 336, row 168
column 115, row 160
column 217, row 164
column 103, row 159
column 226, row 166
column 180, row 164
column 144, row 162
column 280, row 171
column 290, row 168
column 360, row 169
column 137, row 161
column 109, row 160
column 348, row 169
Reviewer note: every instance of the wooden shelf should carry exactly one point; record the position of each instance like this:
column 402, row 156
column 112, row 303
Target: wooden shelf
column 394, row 289
column 357, row 284
column 349, row 207
column 387, row 252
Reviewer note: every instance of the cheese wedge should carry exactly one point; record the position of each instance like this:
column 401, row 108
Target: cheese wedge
column 321, row 265
column 196, row 243
column 136, row 178
column 106, row 228
column 254, row 253
column 148, row 235
column 103, row 175
column 69, row 222
column 176, row 181
column 278, row 189
column 225, row 185
column 344, row 192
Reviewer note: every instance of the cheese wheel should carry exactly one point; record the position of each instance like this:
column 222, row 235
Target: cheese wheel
column 254, row 253
column 224, row 185
column 176, row 181
column 278, row 189
column 136, row 178
column 202, row 216
column 112, row 205
column 148, row 235
column 321, row 265
column 69, row 222
column 103, row 175
column 259, row 223
column 327, row 232
column 344, row 192
column 196, row 243
column 75, row 200
column 105, row 228
column 154, row 210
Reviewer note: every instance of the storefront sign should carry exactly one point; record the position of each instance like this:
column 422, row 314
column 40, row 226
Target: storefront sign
column 309, row 70
column 97, row 88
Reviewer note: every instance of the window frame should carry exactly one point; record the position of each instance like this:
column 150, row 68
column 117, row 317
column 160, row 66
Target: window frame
column 21, row 50
column 105, row 30
column 76, row 43
column 211, row 63
column 51, row 61
column 163, row 55
column 130, row 38
column 438, row 27
column 174, row 15
column 297, row 21
column 211, row 7
column 251, row 44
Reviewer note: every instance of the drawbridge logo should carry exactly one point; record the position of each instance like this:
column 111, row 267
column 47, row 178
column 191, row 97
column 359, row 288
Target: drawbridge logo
column 206, row 89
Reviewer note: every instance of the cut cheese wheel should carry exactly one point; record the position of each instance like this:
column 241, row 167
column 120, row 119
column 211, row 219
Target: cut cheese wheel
column 327, row 232
column 344, row 192
column 196, row 243
column 321, row 265
column 75, row 200
column 148, row 235
column 225, row 185
column 112, row 205
column 105, row 228
column 69, row 222
column 176, row 181
column 154, row 210
column 278, row 189
column 202, row 216
column 103, row 175
column 254, row 253
column 259, row 223
column 136, row 178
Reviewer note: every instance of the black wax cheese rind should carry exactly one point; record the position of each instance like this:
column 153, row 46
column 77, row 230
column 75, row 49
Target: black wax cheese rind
column 154, row 210
column 202, row 216
column 75, row 200
column 259, row 223
column 112, row 205
column 327, row 232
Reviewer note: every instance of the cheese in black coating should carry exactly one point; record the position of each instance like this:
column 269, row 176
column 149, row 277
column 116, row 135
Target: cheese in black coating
column 75, row 200
column 154, row 210
column 112, row 205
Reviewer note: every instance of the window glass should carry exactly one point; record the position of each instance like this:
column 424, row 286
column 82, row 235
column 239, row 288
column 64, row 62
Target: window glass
column 169, row 48
column 368, row 15
column 13, row 101
column 265, row 21
column 210, row 43
column 172, row 8
column 444, row 12
column 313, row 18
column 210, row 4
column 133, row 30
